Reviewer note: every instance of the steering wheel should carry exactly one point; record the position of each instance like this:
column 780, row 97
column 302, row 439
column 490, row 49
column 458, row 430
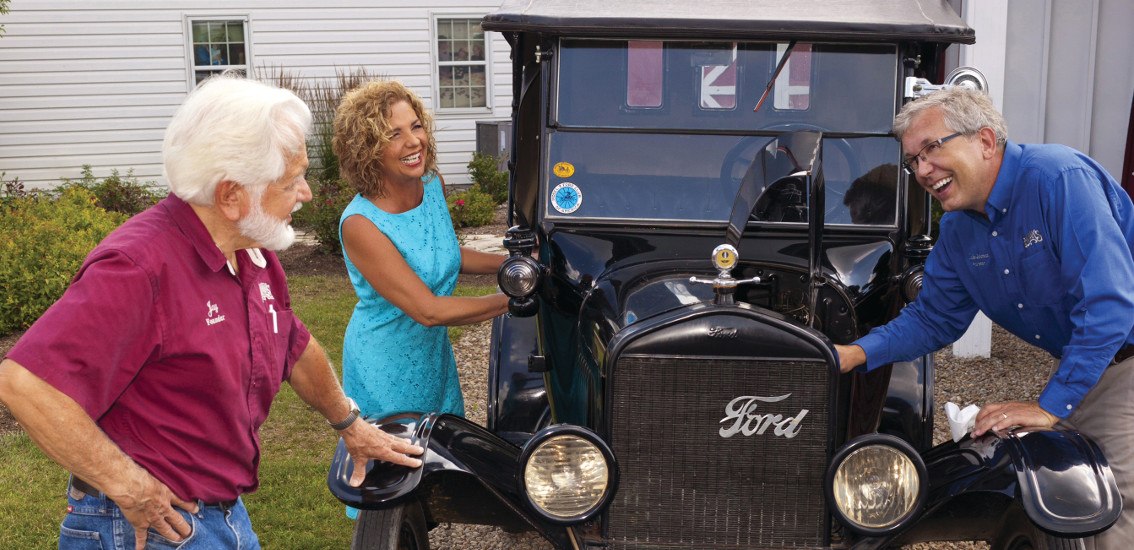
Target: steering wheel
column 737, row 160
column 783, row 201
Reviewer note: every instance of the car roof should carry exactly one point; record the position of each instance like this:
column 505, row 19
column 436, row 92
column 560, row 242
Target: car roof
column 810, row 20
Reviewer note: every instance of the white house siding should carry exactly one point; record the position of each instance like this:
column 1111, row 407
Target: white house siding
column 1071, row 79
column 96, row 82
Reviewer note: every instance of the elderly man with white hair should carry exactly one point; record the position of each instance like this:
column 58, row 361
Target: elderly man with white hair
column 150, row 378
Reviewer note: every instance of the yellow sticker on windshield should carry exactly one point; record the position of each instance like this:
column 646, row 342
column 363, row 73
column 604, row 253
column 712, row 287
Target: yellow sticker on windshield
column 563, row 169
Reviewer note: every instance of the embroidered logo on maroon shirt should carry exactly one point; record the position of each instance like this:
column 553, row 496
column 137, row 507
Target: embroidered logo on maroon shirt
column 213, row 317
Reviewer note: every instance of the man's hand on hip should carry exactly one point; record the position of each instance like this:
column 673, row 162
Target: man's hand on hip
column 148, row 504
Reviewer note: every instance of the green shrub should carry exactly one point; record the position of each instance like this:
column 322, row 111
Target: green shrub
column 118, row 193
column 321, row 216
column 3, row 10
column 470, row 208
column 487, row 178
column 44, row 241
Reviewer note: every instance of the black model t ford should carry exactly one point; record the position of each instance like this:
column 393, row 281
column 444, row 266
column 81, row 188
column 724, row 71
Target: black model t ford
column 713, row 191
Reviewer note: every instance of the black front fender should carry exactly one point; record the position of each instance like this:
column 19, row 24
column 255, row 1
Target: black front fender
column 517, row 394
column 1059, row 477
column 468, row 475
column 1065, row 482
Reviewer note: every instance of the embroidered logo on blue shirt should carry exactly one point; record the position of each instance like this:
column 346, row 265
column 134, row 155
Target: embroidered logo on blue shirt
column 978, row 260
column 1033, row 237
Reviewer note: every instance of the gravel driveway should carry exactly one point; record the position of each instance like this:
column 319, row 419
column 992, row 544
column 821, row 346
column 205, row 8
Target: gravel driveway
column 1015, row 371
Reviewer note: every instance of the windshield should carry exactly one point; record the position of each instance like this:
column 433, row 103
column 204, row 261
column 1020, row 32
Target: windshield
column 650, row 130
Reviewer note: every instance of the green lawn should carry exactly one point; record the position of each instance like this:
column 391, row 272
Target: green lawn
column 292, row 509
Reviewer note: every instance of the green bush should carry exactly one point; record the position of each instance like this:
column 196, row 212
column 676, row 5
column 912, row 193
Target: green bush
column 3, row 10
column 118, row 193
column 487, row 178
column 321, row 216
column 44, row 241
column 470, row 208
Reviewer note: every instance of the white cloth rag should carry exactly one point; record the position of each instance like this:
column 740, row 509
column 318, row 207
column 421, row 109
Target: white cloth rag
column 961, row 421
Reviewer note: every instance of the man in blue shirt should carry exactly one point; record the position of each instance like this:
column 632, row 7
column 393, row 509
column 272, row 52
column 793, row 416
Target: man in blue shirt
column 1039, row 238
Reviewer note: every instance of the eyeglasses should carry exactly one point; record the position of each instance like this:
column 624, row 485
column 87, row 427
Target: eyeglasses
column 909, row 164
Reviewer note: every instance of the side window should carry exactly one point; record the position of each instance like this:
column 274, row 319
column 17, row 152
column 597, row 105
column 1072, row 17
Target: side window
column 645, row 72
column 216, row 45
column 793, row 85
column 462, row 63
column 716, row 71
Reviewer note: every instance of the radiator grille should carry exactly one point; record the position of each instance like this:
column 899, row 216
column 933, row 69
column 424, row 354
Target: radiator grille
column 684, row 486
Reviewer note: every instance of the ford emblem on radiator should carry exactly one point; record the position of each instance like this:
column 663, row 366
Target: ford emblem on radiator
column 745, row 419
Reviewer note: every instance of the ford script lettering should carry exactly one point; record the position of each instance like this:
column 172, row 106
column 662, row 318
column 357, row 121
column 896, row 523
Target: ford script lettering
column 741, row 417
column 723, row 332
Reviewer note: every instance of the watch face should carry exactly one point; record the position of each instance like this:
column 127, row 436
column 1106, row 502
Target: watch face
column 566, row 197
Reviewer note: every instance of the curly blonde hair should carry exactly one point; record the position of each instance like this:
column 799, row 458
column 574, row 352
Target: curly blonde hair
column 362, row 130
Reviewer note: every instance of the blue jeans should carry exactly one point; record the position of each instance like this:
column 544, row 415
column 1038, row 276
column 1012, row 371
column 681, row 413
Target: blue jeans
column 94, row 522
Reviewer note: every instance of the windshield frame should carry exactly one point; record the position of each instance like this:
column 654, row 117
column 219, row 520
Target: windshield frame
column 555, row 125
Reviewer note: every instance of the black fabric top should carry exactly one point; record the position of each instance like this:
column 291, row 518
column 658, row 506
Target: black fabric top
column 808, row 20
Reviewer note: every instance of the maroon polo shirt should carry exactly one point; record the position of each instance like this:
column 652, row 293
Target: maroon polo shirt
column 175, row 358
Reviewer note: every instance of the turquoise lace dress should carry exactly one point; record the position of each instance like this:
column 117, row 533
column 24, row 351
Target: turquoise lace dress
column 392, row 363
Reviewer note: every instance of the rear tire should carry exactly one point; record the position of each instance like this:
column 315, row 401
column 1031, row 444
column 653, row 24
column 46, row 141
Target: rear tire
column 398, row 528
column 1019, row 533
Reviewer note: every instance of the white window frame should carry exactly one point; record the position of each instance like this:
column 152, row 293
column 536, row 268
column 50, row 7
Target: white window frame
column 190, row 58
column 436, row 64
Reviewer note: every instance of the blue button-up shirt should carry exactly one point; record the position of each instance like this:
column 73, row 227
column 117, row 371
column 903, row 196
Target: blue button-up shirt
column 1052, row 263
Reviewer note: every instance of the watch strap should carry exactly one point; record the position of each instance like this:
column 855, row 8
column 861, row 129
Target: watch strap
column 350, row 417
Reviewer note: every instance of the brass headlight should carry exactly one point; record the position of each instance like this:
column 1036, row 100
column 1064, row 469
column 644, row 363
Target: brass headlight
column 876, row 484
column 568, row 474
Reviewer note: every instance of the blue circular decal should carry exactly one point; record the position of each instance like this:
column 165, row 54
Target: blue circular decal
column 566, row 197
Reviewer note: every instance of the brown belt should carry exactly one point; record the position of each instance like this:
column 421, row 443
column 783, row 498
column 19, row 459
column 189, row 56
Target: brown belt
column 90, row 490
column 1124, row 353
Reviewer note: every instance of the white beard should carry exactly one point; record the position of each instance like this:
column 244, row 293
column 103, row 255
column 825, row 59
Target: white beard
column 268, row 232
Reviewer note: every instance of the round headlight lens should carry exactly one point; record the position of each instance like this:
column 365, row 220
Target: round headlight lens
column 876, row 486
column 566, row 476
column 518, row 276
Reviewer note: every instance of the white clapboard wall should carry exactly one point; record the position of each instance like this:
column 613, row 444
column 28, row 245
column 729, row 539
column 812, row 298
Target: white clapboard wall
column 96, row 82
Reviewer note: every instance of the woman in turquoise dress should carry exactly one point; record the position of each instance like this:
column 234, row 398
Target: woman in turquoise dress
column 402, row 256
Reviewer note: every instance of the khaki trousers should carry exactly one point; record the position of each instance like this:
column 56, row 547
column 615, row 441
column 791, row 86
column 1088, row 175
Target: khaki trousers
column 1106, row 415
